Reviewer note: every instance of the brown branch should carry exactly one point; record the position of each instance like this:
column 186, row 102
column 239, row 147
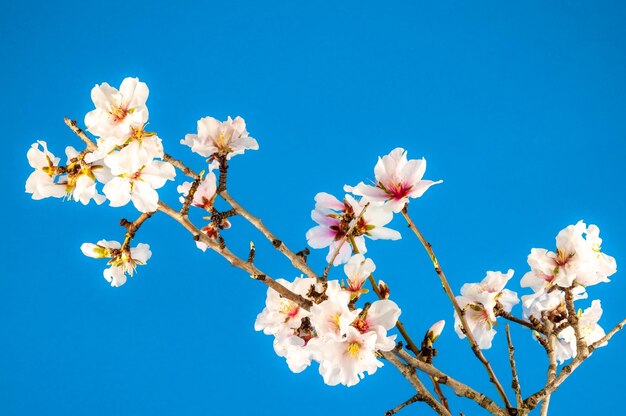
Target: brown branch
column 91, row 146
column 446, row 287
column 348, row 235
column 132, row 227
column 508, row 316
column 181, row 166
column 409, row 373
column 533, row 400
column 572, row 318
column 551, row 350
column 235, row 261
column 460, row 389
column 417, row 398
column 399, row 324
column 184, row 211
column 515, row 384
column 297, row 261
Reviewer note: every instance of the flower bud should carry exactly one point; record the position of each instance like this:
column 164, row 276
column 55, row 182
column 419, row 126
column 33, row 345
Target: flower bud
column 435, row 330
column 383, row 289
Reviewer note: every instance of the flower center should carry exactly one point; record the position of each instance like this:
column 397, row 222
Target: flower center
column 354, row 349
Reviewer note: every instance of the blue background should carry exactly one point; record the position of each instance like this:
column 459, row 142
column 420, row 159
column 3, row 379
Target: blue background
column 518, row 108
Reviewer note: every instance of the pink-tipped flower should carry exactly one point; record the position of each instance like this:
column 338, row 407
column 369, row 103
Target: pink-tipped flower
column 118, row 111
column 227, row 138
column 336, row 218
column 578, row 260
column 435, row 331
column 397, row 180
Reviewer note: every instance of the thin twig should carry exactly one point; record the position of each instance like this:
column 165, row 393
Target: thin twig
column 409, row 373
column 446, row 287
column 184, row 211
column 91, row 146
column 508, row 316
column 132, row 227
column 515, row 384
column 459, row 388
column 180, row 165
column 235, row 261
column 297, row 261
column 545, row 404
column 417, row 398
column 399, row 324
column 533, row 400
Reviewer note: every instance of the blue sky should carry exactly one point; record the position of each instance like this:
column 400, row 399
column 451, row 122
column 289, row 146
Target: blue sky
column 519, row 108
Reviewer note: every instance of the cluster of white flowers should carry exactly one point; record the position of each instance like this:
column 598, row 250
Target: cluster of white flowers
column 343, row 339
column 480, row 302
column 127, row 161
column 124, row 160
column 397, row 180
column 576, row 264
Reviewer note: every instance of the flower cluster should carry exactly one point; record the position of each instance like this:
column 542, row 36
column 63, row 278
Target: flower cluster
column 577, row 263
column 125, row 159
column 397, row 180
column 343, row 339
column 480, row 303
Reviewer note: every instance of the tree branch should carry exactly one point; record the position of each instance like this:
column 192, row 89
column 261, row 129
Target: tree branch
column 446, row 287
column 460, row 389
column 533, row 400
column 409, row 373
column 515, row 384
column 297, row 261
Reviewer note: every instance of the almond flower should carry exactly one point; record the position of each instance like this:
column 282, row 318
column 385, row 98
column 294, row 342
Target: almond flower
column 80, row 177
column 138, row 186
column 118, row 111
column 41, row 183
column 227, row 138
column 577, row 260
column 335, row 218
column 358, row 269
column 397, row 180
column 479, row 302
column 341, row 340
column 123, row 262
column 590, row 332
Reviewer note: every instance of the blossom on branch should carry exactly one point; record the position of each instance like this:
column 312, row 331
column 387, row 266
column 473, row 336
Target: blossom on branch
column 577, row 260
column 123, row 261
column 336, row 218
column 342, row 339
column 138, row 186
column 226, row 138
column 41, row 182
column 397, row 180
column 118, row 111
column 479, row 302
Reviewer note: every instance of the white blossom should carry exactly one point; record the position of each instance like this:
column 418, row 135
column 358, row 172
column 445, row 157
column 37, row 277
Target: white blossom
column 122, row 261
column 577, row 259
column 358, row 269
column 480, row 301
column 397, row 180
column 117, row 112
column 590, row 332
column 335, row 218
column 41, row 182
column 216, row 137
column 137, row 186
